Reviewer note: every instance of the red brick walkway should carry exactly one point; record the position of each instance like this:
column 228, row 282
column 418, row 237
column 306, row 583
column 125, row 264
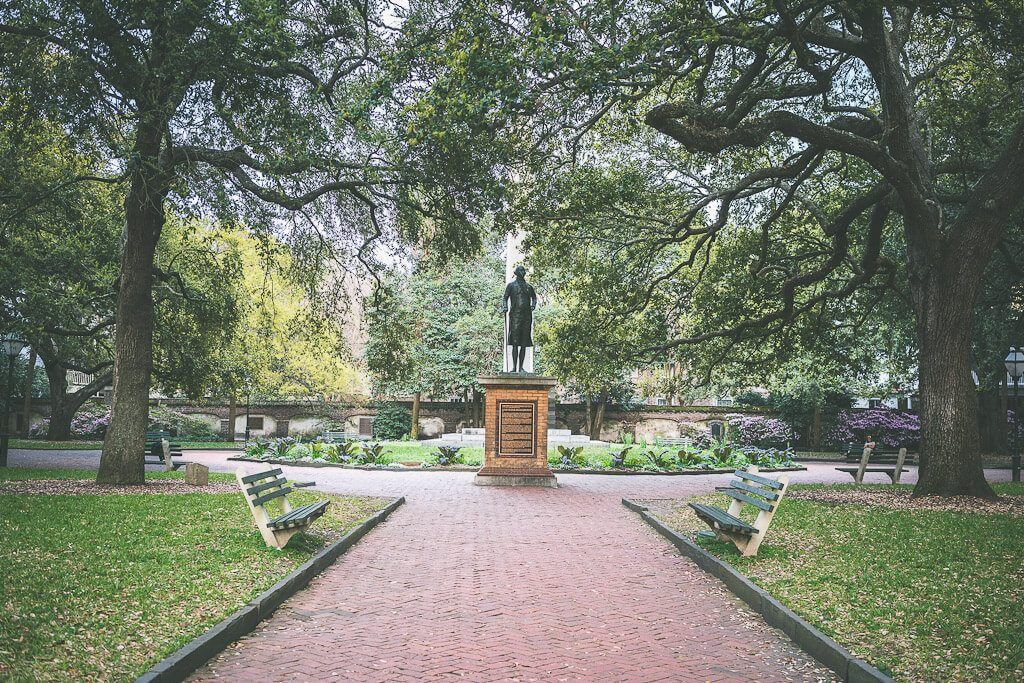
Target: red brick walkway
column 493, row 584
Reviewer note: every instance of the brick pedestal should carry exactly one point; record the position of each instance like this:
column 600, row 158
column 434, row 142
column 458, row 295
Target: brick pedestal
column 516, row 440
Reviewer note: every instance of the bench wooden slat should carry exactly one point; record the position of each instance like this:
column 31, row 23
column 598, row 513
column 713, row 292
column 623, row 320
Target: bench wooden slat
column 743, row 486
column 301, row 515
column 267, row 497
column 253, row 490
column 749, row 500
column 764, row 481
column 723, row 519
column 248, row 479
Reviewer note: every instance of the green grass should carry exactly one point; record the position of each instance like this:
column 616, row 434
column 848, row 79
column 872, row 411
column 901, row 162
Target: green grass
column 42, row 445
column 22, row 473
column 923, row 595
column 95, row 445
column 99, row 587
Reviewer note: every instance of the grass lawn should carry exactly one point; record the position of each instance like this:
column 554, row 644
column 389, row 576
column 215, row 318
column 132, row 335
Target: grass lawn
column 42, row 445
column 925, row 595
column 103, row 586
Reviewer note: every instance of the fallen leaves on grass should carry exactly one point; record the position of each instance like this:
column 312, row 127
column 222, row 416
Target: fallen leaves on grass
column 902, row 499
column 75, row 487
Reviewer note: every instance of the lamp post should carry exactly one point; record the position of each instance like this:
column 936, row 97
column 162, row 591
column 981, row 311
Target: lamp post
column 1015, row 368
column 248, row 401
column 11, row 346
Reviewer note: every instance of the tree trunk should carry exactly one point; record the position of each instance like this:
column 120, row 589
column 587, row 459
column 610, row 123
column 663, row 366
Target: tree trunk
column 414, row 430
column 122, row 459
column 816, row 429
column 61, row 413
column 26, row 405
column 595, row 414
column 232, row 417
column 950, row 453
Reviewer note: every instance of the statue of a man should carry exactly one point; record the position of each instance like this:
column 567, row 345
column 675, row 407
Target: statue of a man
column 519, row 301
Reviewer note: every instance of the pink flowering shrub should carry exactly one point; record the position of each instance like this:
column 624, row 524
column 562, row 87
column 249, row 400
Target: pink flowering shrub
column 889, row 428
column 758, row 430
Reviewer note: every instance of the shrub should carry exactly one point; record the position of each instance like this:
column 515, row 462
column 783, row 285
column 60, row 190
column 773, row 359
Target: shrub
column 374, row 454
column 759, row 430
column 345, row 452
column 392, row 422
column 618, row 457
column 448, row 455
column 890, row 428
column 661, row 458
column 92, row 419
column 179, row 424
column 571, row 457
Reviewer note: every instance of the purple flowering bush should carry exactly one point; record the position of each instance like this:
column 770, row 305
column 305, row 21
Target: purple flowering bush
column 92, row 419
column 759, row 430
column 890, row 428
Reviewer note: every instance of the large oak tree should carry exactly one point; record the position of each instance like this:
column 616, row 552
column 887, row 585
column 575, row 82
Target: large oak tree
column 859, row 120
column 268, row 110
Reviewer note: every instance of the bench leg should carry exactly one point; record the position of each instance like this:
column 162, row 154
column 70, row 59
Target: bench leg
column 282, row 536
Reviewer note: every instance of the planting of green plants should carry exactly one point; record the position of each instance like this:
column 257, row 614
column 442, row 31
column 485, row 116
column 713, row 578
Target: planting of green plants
column 925, row 591
column 101, row 586
column 642, row 456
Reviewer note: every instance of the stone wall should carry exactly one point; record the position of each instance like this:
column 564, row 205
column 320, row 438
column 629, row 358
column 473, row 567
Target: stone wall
column 437, row 417
column 648, row 422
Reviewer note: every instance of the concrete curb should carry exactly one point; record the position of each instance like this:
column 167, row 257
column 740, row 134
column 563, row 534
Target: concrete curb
column 851, row 669
column 179, row 664
column 636, row 473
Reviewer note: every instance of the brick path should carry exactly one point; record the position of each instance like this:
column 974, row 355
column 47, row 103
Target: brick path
column 490, row 584
column 493, row 584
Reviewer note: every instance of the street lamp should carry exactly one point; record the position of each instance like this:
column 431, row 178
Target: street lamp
column 12, row 346
column 1015, row 368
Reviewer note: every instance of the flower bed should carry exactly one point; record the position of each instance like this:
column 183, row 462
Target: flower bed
column 632, row 458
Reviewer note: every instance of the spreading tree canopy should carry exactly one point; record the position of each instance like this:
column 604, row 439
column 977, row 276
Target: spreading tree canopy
column 820, row 131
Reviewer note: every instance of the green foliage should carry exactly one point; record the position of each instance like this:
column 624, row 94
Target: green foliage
column 374, row 454
column 436, row 330
column 179, row 424
column 618, row 456
column 391, row 421
column 448, row 455
column 570, row 457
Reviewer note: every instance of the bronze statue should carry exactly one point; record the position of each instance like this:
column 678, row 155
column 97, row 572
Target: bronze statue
column 519, row 301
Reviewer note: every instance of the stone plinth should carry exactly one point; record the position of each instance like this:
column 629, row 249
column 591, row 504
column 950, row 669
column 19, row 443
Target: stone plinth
column 516, row 437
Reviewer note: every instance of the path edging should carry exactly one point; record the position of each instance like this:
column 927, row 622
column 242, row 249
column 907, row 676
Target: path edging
column 678, row 473
column 186, row 659
column 850, row 668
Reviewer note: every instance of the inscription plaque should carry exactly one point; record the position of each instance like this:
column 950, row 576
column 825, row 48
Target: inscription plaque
column 517, row 429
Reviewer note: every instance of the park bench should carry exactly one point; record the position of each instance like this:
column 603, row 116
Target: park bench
column 749, row 488
column 262, row 488
column 889, row 462
column 341, row 437
column 160, row 451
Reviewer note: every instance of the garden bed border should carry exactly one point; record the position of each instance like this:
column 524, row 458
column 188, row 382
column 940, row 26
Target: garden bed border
column 850, row 668
column 474, row 468
column 179, row 664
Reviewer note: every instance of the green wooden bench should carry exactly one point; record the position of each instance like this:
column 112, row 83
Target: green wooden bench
column 261, row 488
column 880, row 461
column 157, row 454
column 749, row 488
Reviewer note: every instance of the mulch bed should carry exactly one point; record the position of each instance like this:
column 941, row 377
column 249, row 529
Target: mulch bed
column 902, row 499
column 76, row 487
